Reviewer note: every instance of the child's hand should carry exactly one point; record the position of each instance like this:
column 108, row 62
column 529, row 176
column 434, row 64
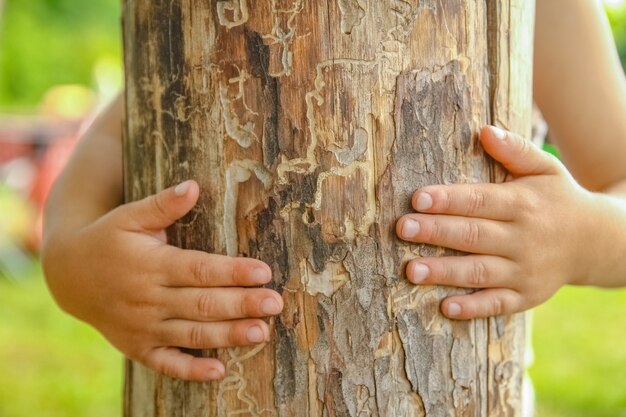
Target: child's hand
column 149, row 299
column 526, row 237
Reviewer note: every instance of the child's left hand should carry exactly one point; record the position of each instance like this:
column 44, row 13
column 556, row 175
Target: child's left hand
column 526, row 237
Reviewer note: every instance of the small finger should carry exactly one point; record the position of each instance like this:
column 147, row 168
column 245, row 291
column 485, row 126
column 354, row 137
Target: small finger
column 221, row 334
column 487, row 201
column 172, row 362
column 218, row 304
column 461, row 233
column 471, row 271
column 189, row 268
column 518, row 155
column 485, row 303
column 158, row 211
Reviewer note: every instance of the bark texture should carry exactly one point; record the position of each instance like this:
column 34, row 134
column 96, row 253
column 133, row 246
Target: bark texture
column 309, row 124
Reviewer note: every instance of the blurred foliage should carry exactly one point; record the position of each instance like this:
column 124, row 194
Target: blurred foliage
column 617, row 18
column 551, row 148
column 49, row 42
column 44, row 43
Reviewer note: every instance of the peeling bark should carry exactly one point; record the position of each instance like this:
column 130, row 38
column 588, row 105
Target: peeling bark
column 308, row 125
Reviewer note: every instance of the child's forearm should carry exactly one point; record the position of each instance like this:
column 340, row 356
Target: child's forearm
column 607, row 258
column 98, row 251
column 91, row 183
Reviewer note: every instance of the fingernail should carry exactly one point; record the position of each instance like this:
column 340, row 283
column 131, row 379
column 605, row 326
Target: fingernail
column 260, row 275
column 454, row 309
column 410, row 228
column 270, row 307
column 498, row 133
column 424, row 201
column 182, row 188
column 419, row 273
column 214, row 374
column 255, row 334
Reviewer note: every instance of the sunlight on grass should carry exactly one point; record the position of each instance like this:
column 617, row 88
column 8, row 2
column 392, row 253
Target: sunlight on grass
column 52, row 365
column 580, row 348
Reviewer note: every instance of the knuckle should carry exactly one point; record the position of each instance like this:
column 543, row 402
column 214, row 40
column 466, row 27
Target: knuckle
column 528, row 204
column 534, row 204
column 476, row 201
column 245, row 304
column 145, row 302
column 158, row 206
column 518, row 199
column 201, row 272
column 525, row 147
column 233, row 270
column 206, row 305
column 470, row 234
column 144, row 355
column 154, row 332
column 478, row 275
column 436, row 232
column 444, row 200
column 496, row 306
column 197, row 337
column 169, row 368
column 236, row 335
column 555, row 165
column 128, row 215
column 445, row 272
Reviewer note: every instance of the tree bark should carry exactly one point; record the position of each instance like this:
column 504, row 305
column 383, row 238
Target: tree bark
column 309, row 124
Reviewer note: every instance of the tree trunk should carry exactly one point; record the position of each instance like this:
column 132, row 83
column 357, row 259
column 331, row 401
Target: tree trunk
column 308, row 125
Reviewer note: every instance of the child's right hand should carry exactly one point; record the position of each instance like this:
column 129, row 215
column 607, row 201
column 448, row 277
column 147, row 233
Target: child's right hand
column 149, row 298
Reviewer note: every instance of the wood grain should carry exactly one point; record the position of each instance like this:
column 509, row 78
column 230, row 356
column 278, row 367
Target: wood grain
column 309, row 124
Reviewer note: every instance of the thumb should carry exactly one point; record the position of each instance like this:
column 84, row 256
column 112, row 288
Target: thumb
column 519, row 156
column 160, row 210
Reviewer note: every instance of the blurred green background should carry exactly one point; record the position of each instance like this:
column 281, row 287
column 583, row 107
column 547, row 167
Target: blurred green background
column 44, row 43
column 52, row 365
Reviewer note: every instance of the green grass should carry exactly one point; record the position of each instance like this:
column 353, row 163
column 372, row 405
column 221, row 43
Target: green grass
column 53, row 365
column 580, row 348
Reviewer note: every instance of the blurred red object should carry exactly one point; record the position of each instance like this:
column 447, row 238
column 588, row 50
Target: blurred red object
column 33, row 150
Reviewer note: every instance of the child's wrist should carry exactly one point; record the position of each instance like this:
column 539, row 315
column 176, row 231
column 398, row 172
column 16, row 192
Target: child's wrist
column 603, row 248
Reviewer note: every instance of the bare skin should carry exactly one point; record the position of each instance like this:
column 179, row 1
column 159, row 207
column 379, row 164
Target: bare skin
column 122, row 277
column 109, row 264
column 526, row 238
column 544, row 228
